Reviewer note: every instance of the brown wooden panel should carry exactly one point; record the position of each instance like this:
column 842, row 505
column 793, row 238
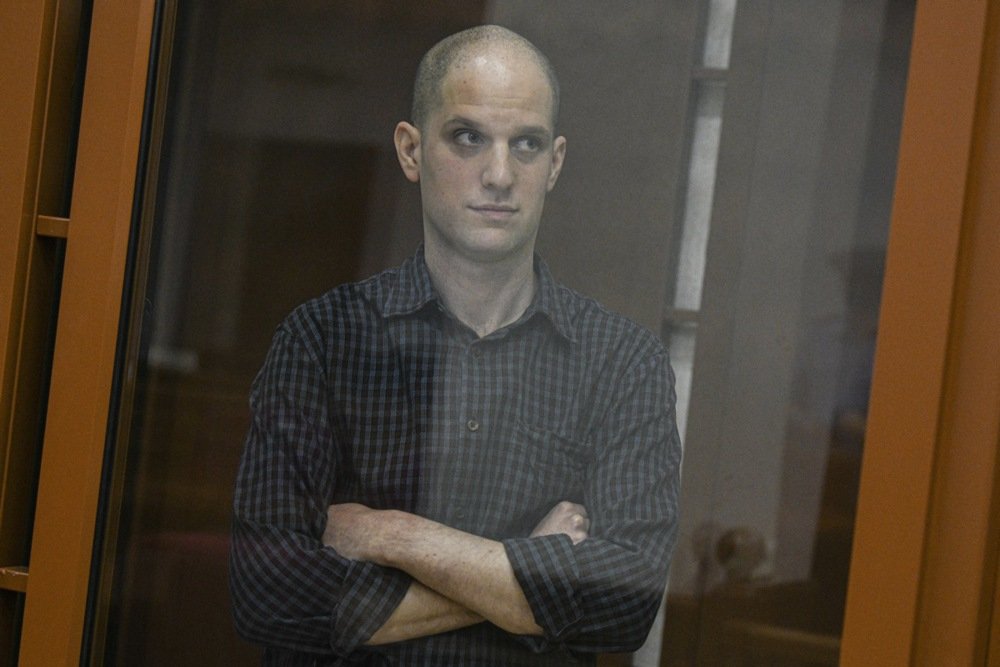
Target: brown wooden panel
column 956, row 589
column 39, row 49
column 993, row 658
column 24, row 34
column 905, row 413
column 48, row 225
column 87, row 332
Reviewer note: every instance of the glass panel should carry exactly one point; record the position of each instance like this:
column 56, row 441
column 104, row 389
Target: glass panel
column 786, row 333
column 276, row 180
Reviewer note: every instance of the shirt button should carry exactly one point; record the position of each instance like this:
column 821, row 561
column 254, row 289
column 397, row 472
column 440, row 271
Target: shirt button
column 472, row 425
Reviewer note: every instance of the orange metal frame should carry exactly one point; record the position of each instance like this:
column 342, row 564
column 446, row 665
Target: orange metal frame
column 86, row 338
column 958, row 584
column 921, row 582
column 919, row 588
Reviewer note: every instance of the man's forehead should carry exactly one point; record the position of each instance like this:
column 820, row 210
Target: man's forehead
column 500, row 79
column 496, row 61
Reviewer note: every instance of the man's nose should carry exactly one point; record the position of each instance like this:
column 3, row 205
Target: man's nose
column 498, row 172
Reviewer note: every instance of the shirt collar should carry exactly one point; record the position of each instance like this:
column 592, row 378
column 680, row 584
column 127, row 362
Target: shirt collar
column 548, row 303
column 413, row 290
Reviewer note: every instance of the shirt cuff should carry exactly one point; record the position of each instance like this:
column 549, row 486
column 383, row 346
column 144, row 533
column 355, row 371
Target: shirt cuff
column 368, row 596
column 547, row 571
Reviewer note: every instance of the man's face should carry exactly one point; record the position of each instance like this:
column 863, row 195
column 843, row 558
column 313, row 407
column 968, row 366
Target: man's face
column 485, row 159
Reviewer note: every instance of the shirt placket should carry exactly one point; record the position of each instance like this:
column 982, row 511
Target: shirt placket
column 472, row 423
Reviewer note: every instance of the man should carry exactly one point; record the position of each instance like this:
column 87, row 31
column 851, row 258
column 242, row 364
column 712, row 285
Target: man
column 460, row 461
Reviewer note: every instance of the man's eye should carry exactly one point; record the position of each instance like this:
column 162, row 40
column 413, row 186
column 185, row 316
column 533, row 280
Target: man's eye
column 468, row 138
column 528, row 144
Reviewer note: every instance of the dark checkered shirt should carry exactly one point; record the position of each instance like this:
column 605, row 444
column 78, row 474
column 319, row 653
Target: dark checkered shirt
column 374, row 393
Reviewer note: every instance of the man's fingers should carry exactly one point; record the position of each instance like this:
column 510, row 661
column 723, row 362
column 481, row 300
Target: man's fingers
column 568, row 518
column 580, row 526
column 569, row 507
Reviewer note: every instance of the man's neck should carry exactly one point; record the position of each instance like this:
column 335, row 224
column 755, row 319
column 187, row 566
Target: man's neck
column 485, row 297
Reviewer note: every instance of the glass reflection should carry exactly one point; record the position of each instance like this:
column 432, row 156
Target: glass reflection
column 785, row 333
column 278, row 180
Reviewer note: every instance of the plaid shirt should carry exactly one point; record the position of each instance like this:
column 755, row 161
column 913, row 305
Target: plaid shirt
column 374, row 393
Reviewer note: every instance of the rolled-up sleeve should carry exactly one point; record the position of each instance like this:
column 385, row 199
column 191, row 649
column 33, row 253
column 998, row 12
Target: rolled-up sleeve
column 288, row 589
column 602, row 594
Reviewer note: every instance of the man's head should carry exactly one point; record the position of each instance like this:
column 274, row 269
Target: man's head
column 455, row 50
column 482, row 145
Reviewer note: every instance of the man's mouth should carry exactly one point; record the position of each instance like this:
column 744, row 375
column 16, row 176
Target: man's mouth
column 496, row 211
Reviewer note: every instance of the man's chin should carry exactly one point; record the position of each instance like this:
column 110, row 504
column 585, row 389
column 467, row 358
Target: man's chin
column 487, row 246
column 492, row 251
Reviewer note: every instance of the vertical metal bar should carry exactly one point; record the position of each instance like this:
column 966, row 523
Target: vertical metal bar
column 86, row 338
column 918, row 297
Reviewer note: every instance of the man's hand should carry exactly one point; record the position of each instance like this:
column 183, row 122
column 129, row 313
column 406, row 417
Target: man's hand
column 566, row 518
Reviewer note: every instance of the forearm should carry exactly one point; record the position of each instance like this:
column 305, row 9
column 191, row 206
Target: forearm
column 471, row 570
column 421, row 613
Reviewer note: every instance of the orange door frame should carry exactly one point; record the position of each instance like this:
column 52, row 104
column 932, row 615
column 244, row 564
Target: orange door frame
column 921, row 585
column 86, row 337
column 917, row 422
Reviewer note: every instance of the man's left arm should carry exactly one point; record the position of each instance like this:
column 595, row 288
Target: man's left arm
column 602, row 594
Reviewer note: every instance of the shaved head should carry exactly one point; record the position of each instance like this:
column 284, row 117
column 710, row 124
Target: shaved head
column 460, row 48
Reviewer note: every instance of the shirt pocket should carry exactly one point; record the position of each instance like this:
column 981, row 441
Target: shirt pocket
column 534, row 469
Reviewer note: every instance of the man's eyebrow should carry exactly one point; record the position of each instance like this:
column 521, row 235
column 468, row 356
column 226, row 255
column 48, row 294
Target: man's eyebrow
column 462, row 120
column 536, row 129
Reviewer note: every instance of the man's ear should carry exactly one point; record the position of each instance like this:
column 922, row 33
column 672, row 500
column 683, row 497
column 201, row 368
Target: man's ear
column 407, row 139
column 558, row 155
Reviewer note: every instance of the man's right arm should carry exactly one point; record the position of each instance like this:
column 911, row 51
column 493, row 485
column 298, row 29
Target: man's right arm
column 290, row 591
column 423, row 612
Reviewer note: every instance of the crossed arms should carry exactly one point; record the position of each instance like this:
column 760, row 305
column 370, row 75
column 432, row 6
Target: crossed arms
column 308, row 577
column 459, row 579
